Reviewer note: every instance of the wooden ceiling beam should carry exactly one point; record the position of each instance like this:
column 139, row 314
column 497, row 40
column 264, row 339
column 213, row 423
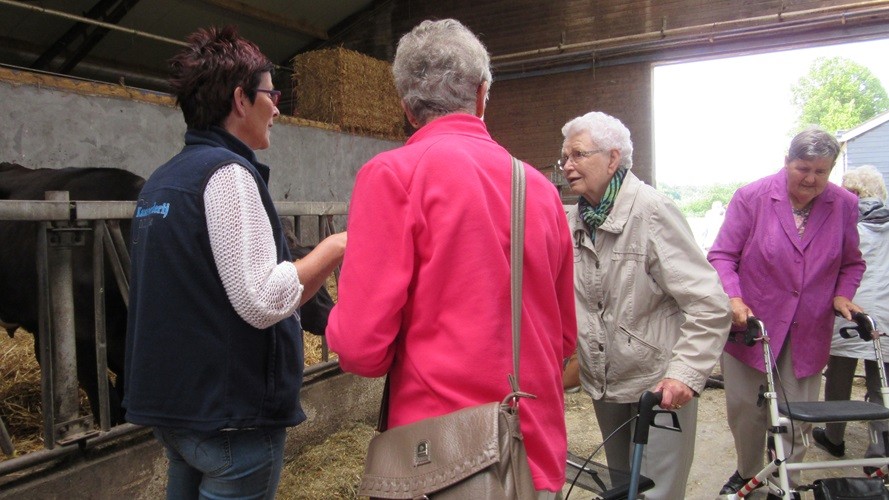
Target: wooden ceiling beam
column 273, row 18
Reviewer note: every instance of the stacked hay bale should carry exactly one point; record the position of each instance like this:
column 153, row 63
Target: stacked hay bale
column 349, row 89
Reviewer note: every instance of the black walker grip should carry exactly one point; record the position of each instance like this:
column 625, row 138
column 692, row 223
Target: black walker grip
column 754, row 331
column 864, row 327
column 647, row 404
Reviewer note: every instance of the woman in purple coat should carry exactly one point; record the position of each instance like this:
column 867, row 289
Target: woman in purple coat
column 788, row 254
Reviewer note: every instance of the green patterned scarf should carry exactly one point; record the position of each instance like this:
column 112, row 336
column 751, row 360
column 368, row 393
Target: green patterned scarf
column 592, row 216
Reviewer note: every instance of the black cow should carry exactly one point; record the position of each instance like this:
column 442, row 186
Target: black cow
column 18, row 270
column 18, row 267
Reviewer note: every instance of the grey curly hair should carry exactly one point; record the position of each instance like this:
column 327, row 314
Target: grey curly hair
column 438, row 68
column 865, row 181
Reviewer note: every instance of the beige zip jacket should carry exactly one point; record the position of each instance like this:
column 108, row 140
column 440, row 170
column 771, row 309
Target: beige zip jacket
column 649, row 305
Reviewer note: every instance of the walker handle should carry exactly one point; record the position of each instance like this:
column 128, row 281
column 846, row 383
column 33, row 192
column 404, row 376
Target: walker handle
column 864, row 327
column 647, row 404
column 755, row 330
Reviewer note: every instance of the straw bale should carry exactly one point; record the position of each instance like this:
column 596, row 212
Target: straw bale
column 349, row 89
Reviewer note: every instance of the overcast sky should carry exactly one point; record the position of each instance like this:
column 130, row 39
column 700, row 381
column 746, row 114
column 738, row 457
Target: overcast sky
column 728, row 120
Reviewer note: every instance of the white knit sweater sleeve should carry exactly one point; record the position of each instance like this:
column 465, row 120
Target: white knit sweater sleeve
column 261, row 290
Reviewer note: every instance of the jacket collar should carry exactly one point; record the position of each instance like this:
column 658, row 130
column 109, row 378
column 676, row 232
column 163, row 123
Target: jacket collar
column 781, row 206
column 454, row 123
column 219, row 137
column 616, row 220
column 623, row 204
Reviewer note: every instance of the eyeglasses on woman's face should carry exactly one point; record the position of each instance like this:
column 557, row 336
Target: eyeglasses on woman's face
column 274, row 95
column 575, row 156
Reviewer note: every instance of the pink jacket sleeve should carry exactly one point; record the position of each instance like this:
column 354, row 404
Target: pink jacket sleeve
column 364, row 339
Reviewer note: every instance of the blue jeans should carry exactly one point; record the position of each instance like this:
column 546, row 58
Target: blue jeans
column 223, row 464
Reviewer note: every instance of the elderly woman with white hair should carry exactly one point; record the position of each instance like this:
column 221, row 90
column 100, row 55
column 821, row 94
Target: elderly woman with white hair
column 424, row 292
column 873, row 297
column 651, row 312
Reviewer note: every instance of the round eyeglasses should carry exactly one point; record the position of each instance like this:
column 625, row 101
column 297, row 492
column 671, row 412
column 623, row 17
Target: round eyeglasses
column 575, row 156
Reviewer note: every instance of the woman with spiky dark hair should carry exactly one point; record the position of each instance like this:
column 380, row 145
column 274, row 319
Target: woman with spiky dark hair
column 214, row 355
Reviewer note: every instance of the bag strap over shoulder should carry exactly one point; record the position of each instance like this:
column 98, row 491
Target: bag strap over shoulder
column 516, row 251
column 516, row 258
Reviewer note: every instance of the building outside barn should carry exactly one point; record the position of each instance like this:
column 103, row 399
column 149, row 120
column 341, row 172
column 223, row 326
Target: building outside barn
column 866, row 144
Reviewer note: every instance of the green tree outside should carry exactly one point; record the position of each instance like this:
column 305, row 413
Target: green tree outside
column 694, row 201
column 838, row 94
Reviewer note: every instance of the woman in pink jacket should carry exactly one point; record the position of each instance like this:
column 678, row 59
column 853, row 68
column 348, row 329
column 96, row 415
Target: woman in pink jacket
column 788, row 254
column 424, row 293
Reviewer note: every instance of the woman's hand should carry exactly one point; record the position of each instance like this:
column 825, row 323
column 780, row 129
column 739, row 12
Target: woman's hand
column 571, row 372
column 740, row 313
column 845, row 307
column 675, row 393
column 314, row 268
column 337, row 244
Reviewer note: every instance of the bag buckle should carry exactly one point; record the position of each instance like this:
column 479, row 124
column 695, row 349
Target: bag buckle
column 512, row 399
column 421, row 453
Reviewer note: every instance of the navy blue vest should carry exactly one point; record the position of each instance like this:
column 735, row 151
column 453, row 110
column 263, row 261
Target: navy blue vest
column 191, row 361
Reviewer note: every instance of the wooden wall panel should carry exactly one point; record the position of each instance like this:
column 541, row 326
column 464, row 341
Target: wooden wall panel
column 527, row 115
column 528, row 109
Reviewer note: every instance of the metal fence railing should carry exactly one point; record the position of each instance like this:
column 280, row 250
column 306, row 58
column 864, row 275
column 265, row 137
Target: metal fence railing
column 62, row 226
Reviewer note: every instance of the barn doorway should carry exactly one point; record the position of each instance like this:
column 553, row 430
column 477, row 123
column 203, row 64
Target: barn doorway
column 720, row 123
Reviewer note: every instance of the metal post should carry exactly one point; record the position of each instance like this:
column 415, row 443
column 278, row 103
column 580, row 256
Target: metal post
column 44, row 338
column 5, row 441
column 119, row 258
column 323, row 225
column 99, row 235
column 66, row 395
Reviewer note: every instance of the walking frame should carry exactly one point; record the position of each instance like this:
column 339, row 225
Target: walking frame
column 781, row 416
column 611, row 484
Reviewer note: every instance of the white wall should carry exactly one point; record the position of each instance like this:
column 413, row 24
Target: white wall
column 45, row 127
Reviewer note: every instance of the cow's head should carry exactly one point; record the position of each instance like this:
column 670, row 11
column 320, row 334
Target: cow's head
column 314, row 313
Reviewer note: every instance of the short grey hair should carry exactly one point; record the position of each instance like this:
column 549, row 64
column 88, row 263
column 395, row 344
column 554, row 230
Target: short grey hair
column 866, row 181
column 606, row 131
column 438, row 68
column 813, row 143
